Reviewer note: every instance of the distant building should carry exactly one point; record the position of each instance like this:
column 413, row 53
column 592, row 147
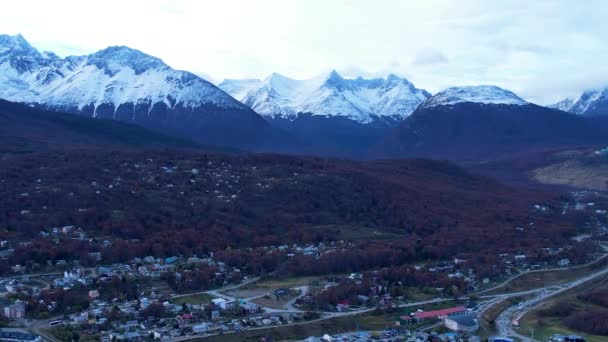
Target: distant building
column 228, row 304
column 501, row 339
column 17, row 335
column 15, row 311
column 440, row 314
column 280, row 294
column 462, row 323
column 249, row 308
column 200, row 328
column 93, row 294
column 171, row 260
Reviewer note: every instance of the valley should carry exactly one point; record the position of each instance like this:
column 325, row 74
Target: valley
column 303, row 171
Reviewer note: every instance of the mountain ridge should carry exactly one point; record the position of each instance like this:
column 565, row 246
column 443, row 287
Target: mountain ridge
column 495, row 125
column 331, row 95
column 592, row 102
column 126, row 84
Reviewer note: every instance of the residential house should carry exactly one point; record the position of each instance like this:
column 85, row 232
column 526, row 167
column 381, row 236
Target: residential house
column 250, row 308
column 280, row 294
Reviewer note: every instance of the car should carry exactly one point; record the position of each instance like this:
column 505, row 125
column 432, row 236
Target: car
column 55, row 323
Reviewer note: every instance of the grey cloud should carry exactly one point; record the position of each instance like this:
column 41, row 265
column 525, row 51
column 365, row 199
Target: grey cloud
column 430, row 56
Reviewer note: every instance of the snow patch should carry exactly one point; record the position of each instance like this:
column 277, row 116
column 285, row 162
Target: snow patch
column 484, row 94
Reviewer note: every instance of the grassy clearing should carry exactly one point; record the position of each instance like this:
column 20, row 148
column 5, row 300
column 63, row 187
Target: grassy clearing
column 274, row 284
column 534, row 280
column 265, row 286
column 199, row 298
column 271, row 303
column 550, row 326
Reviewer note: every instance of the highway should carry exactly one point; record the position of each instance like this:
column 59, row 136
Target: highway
column 504, row 322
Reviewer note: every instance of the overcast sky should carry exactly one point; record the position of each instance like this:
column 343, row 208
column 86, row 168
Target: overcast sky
column 543, row 50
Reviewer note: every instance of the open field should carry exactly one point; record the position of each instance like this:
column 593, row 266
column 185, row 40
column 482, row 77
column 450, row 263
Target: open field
column 265, row 286
column 544, row 327
column 271, row 303
column 535, row 279
column 274, row 284
column 199, row 298
column 549, row 327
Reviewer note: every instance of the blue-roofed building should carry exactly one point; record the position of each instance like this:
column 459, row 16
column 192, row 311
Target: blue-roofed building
column 171, row 260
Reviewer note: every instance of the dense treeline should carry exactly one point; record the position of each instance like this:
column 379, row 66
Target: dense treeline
column 170, row 203
column 591, row 317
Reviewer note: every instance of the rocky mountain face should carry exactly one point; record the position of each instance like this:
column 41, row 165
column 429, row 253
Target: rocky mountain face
column 126, row 84
column 332, row 114
column 589, row 103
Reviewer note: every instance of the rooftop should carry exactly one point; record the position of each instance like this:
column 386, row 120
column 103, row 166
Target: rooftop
column 442, row 312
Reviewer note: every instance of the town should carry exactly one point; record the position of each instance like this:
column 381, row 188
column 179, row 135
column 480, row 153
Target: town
column 106, row 278
column 178, row 298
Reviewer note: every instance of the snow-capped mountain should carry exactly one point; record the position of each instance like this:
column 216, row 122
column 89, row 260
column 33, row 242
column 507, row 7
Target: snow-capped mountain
column 126, row 84
column 331, row 95
column 589, row 103
column 483, row 94
column 116, row 75
column 485, row 122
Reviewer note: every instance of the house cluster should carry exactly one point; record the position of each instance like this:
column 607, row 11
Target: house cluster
column 70, row 231
column 390, row 335
column 184, row 320
column 23, row 285
column 71, row 279
column 317, row 251
column 566, row 338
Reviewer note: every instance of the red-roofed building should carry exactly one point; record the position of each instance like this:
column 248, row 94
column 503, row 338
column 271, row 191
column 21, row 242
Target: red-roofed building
column 440, row 314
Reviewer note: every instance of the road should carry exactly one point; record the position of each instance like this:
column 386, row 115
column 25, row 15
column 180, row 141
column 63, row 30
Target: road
column 504, row 322
column 504, row 283
column 325, row 316
column 218, row 292
column 39, row 327
column 303, row 291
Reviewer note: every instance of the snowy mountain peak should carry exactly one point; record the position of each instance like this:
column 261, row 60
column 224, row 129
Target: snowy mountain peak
column 115, row 57
column 359, row 99
column 484, row 94
column 590, row 102
column 19, row 54
column 15, row 43
column 335, row 80
column 393, row 78
column 114, row 76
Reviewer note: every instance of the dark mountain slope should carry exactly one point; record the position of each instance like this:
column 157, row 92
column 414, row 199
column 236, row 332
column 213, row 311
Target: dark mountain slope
column 475, row 132
column 26, row 129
